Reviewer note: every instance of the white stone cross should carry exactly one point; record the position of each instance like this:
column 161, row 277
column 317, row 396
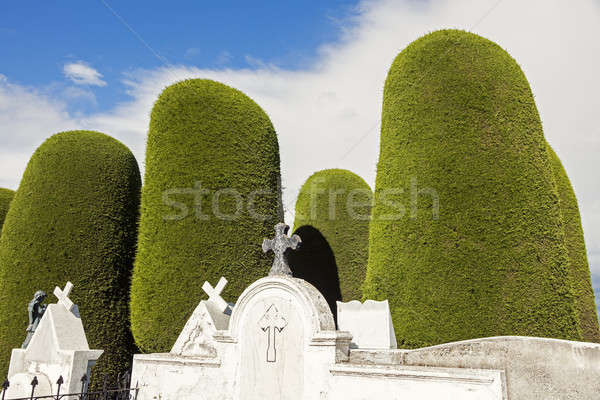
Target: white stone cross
column 214, row 294
column 279, row 245
column 63, row 296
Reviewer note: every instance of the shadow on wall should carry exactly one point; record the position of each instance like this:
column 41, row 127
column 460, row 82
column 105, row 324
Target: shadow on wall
column 315, row 262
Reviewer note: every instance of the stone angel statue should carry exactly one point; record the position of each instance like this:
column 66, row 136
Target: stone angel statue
column 36, row 310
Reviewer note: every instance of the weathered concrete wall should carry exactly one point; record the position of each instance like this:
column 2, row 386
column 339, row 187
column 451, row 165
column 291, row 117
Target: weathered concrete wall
column 535, row 368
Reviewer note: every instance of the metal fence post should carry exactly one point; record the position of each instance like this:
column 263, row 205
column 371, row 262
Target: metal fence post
column 34, row 383
column 59, row 382
column 84, row 380
column 5, row 386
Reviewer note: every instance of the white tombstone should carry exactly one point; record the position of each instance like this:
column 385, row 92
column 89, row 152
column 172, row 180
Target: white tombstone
column 370, row 324
column 281, row 344
column 58, row 347
column 196, row 339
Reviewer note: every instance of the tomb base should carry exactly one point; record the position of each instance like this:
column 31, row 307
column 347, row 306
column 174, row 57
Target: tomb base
column 281, row 344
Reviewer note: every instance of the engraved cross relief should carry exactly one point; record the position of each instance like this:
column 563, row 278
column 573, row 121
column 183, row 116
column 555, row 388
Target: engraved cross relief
column 272, row 323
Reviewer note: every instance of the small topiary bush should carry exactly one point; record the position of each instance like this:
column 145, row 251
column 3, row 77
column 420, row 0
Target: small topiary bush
column 211, row 195
column 466, row 237
column 337, row 203
column 73, row 218
column 575, row 243
column 6, row 196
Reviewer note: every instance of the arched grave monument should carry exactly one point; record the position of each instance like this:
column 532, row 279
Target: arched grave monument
column 279, row 342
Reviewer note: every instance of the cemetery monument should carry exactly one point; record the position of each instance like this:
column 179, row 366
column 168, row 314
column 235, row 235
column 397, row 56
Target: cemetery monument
column 56, row 347
column 279, row 342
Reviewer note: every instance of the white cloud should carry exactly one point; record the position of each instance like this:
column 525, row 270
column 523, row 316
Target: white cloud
column 72, row 93
column 82, row 74
column 328, row 116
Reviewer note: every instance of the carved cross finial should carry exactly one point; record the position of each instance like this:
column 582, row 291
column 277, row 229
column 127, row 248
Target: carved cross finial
column 214, row 294
column 63, row 296
column 279, row 244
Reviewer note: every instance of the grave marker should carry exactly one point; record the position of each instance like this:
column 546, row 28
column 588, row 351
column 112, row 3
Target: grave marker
column 214, row 294
column 63, row 296
column 279, row 245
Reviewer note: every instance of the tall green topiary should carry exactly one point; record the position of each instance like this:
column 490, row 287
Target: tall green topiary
column 73, row 218
column 575, row 243
column 337, row 203
column 466, row 237
column 211, row 195
column 6, row 196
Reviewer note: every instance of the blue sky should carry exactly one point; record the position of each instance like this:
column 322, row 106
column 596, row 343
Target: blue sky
column 316, row 67
column 37, row 41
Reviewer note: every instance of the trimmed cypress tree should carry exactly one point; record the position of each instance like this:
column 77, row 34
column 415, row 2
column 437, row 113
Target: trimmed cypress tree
column 211, row 195
column 337, row 203
column 575, row 243
column 466, row 238
column 73, row 218
column 6, row 196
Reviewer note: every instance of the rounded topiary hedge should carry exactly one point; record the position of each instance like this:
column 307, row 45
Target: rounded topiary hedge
column 466, row 237
column 73, row 218
column 211, row 195
column 6, row 196
column 337, row 203
column 575, row 243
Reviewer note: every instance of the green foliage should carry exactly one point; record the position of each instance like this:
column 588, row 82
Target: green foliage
column 460, row 126
column 575, row 243
column 204, row 138
column 73, row 218
column 337, row 203
column 6, row 196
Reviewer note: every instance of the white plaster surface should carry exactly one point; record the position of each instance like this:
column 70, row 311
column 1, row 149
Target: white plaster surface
column 370, row 324
column 362, row 382
column 20, row 385
column 535, row 368
column 196, row 339
column 58, row 347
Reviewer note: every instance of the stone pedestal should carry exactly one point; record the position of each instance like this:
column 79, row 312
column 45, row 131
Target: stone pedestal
column 58, row 348
column 370, row 324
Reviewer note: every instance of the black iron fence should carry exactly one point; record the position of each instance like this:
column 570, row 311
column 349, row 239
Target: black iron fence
column 122, row 390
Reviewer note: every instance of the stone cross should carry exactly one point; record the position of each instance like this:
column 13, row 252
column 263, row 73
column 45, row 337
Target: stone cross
column 272, row 323
column 214, row 294
column 63, row 296
column 279, row 244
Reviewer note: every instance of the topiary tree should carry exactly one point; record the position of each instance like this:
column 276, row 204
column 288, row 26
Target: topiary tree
column 73, row 218
column 211, row 195
column 6, row 196
column 337, row 203
column 466, row 237
column 575, row 243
